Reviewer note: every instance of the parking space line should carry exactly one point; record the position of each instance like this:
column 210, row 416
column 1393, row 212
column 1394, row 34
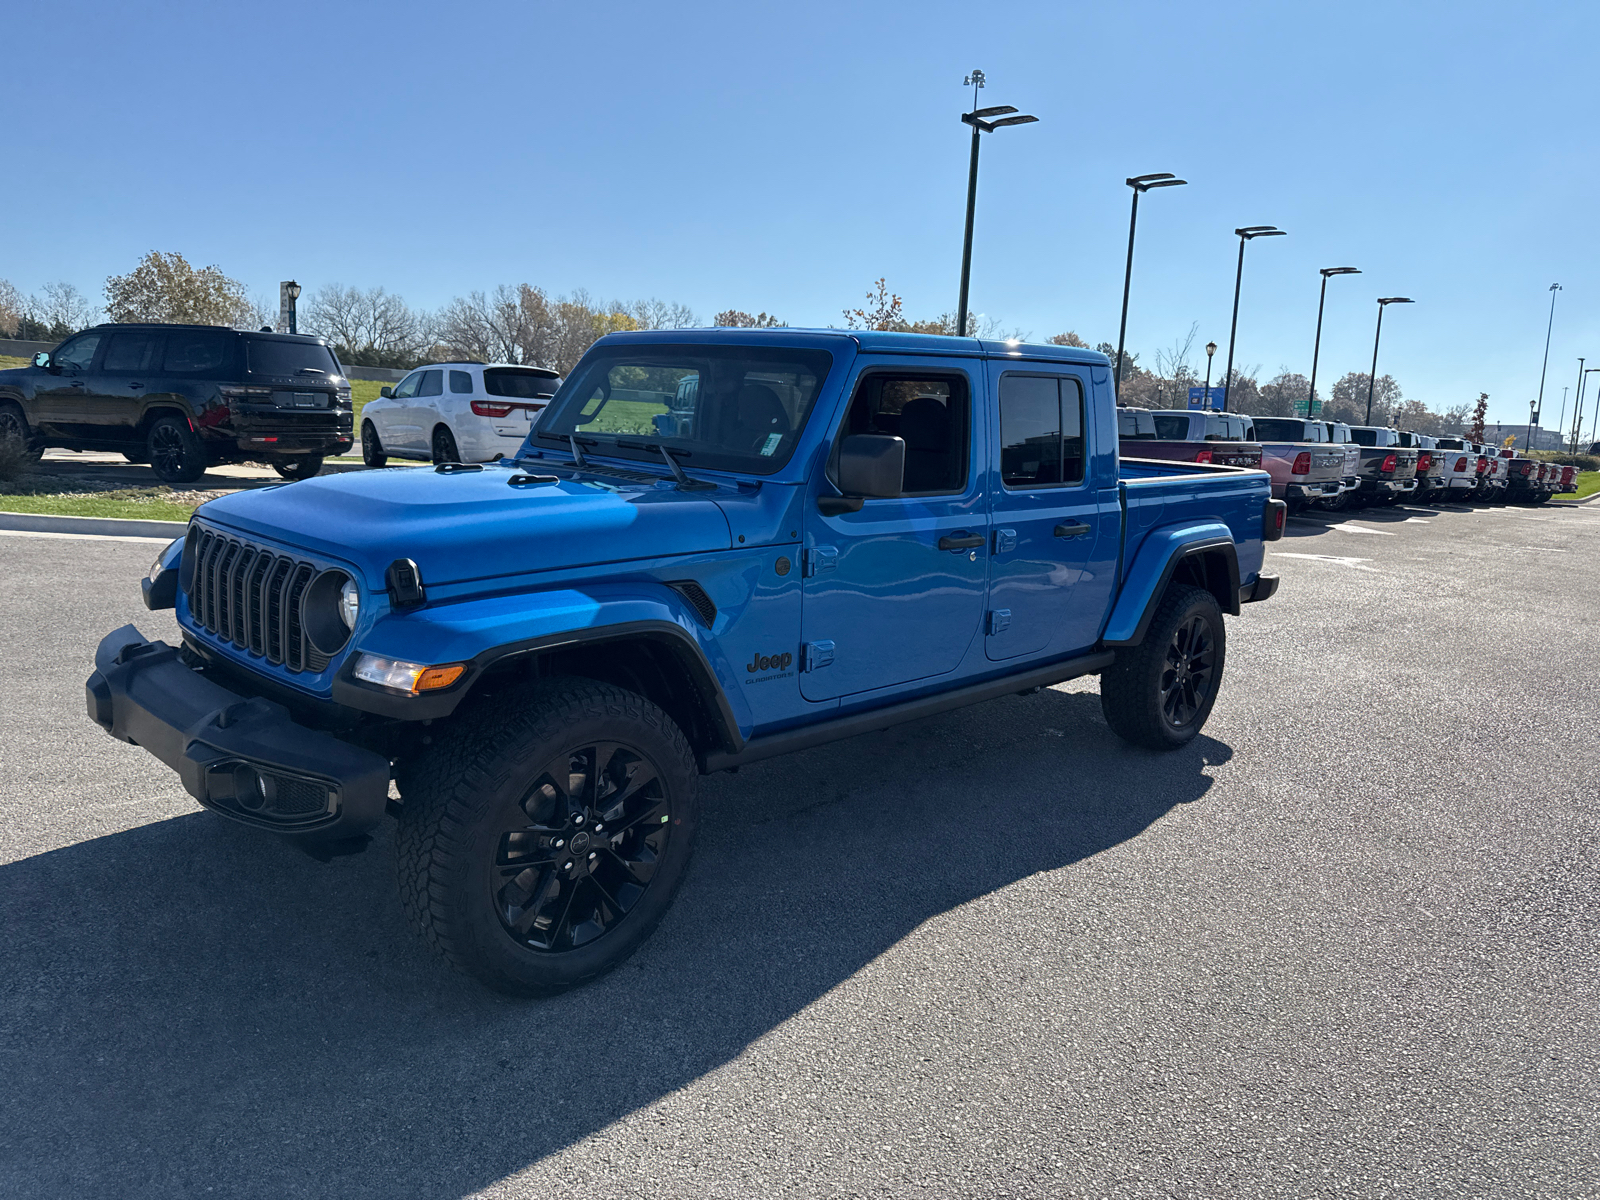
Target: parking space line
column 1351, row 527
column 85, row 537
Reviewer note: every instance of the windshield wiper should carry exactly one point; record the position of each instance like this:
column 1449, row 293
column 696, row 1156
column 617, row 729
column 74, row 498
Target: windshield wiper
column 573, row 441
column 685, row 483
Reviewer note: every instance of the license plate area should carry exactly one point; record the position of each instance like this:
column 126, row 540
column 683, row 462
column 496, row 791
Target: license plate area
column 302, row 399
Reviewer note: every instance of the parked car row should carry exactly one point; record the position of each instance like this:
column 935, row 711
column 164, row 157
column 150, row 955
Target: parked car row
column 1334, row 466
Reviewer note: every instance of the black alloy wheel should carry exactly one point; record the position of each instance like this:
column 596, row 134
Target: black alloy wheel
column 1190, row 674
column 176, row 455
column 371, row 448
column 444, row 446
column 581, row 849
column 1159, row 693
column 14, row 427
column 304, row 467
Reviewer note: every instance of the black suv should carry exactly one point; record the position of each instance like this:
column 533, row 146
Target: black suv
column 182, row 397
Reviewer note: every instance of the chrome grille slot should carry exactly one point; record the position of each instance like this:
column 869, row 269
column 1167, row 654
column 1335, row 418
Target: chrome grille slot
column 249, row 595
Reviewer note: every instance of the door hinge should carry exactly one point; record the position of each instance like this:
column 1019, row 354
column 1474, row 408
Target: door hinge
column 1005, row 541
column 816, row 655
column 819, row 559
column 999, row 620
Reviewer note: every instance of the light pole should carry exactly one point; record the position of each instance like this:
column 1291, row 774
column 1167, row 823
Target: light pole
column 1538, row 405
column 1140, row 185
column 1372, row 379
column 293, row 290
column 1577, row 410
column 1561, row 421
column 1205, row 396
column 1316, row 346
column 1593, row 428
column 1245, row 234
column 979, row 119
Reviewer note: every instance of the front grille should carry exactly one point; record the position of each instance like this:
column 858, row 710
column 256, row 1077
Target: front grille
column 250, row 595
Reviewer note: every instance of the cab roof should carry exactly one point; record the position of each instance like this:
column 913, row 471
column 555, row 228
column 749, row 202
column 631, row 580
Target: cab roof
column 870, row 341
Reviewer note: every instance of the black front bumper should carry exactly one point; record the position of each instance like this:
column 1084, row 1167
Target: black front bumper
column 241, row 757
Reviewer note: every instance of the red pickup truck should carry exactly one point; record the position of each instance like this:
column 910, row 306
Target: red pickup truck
column 1178, row 436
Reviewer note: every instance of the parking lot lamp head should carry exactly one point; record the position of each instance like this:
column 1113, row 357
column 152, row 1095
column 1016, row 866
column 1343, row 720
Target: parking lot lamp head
column 1316, row 346
column 1372, row 378
column 292, row 290
column 982, row 120
column 1247, row 233
column 1211, row 350
column 1140, row 185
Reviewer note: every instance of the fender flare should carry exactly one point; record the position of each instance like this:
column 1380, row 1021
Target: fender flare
column 1163, row 551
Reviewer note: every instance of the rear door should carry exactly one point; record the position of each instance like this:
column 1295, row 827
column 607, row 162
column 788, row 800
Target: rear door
column 894, row 593
column 1047, row 516
column 128, row 370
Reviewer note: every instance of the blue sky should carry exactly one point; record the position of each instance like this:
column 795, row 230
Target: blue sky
column 783, row 157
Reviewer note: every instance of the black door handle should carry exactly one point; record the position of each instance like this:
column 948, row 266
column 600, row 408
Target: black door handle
column 961, row 543
column 136, row 385
column 1071, row 531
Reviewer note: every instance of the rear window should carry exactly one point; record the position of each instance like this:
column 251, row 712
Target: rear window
column 1451, row 444
column 1279, row 429
column 519, row 384
column 1135, row 426
column 268, row 356
column 1338, row 434
column 1172, row 427
column 1222, row 428
column 194, row 353
column 1364, row 437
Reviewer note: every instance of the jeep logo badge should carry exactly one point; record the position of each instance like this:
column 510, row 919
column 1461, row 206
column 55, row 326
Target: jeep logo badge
column 769, row 662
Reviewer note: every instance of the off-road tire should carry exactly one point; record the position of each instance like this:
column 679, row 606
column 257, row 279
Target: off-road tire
column 304, row 467
column 372, row 447
column 444, row 445
column 1131, row 692
column 459, row 795
column 14, row 424
column 175, row 451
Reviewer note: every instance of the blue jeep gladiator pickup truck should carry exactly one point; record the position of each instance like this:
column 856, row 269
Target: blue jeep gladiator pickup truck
column 716, row 546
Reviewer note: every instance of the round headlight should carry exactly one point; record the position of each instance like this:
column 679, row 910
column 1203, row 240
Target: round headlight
column 349, row 603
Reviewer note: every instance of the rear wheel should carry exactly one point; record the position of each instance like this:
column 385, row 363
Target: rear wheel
column 371, row 448
column 1159, row 693
column 541, row 843
column 444, row 445
column 299, row 468
column 176, row 455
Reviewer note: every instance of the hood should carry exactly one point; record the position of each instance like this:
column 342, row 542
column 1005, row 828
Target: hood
column 475, row 524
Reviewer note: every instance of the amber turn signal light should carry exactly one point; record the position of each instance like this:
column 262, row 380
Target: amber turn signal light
column 435, row 678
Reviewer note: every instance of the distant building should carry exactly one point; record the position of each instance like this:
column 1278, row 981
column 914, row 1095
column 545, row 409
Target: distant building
column 1543, row 439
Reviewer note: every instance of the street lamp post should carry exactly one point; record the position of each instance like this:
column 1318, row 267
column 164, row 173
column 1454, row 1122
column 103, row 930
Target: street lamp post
column 1594, row 430
column 292, row 289
column 1538, row 405
column 1245, row 234
column 1577, row 411
column 981, row 121
column 1372, row 379
column 1140, row 185
column 1316, row 346
column 1205, row 396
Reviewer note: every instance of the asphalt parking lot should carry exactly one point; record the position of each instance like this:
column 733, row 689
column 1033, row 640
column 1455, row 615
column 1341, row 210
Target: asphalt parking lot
column 1344, row 944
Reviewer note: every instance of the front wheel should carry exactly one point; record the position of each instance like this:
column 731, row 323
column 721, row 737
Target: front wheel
column 14, row 427
column 542, row 841
column 371, row 447
column 1159, row 693
column 303, row 467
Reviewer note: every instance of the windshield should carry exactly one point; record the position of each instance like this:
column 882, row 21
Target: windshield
column 268, row 356
column 1281, row 429
column 521, row 383
column 729, row 408
column 1133, row 425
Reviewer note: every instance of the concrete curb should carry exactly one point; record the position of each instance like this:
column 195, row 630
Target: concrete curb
column 103, row 526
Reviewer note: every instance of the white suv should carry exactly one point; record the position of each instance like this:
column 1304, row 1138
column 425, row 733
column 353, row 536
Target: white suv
column 456, row 412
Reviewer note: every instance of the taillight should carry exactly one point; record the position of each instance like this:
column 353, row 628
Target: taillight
column 1388, row 464
column 1203, row 457
column 1483, row 464
column 1302, row 463
column 1527, row 468
column 488, row 408
column 1272, row 520
column 1461, row 463
column 1424, row 461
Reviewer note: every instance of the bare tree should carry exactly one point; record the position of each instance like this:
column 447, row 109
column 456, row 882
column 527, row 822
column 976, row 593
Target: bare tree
column 1069, row 339
column 61, row 307
column 11, row 308
column 372, row 328
column 734, row 318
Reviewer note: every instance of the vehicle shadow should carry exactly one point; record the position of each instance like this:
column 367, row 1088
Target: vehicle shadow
column 191, row 1005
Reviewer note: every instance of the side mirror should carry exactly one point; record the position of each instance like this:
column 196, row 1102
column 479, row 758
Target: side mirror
column 42, row 359
column 872, row 466
column 386, row 392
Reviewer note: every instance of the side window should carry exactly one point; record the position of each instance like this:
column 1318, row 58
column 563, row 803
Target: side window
column 1172, row 427
column 193, row 353
column 127, row 352
column 432, row 384
column 1041, row 431
column 931, row 414
column 408, row 386
column 77, row 354
column 460, row 382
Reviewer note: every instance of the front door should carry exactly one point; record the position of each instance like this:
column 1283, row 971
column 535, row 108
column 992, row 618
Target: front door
column 61, row 401
column 1047, row 518
column 401, row 430
column 894, row 593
